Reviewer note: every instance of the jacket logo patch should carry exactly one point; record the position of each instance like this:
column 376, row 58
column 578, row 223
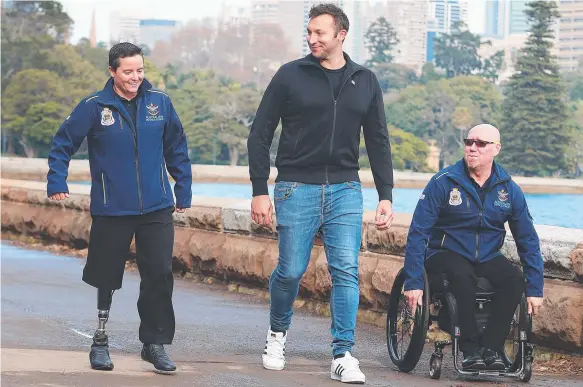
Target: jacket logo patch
column 153, row 113
column 455, row 197
column 502, row 201
column 107, row 117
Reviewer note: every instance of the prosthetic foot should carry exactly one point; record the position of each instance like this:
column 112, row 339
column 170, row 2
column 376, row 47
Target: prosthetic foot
column 99, row 355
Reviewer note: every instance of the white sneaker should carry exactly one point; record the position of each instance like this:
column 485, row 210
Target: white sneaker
column 346, row 370
column 274, row 352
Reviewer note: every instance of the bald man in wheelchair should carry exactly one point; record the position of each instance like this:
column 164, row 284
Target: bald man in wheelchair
column 458, row 229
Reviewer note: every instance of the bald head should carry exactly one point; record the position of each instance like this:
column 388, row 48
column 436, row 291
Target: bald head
column 485, row 132
column 480, row 156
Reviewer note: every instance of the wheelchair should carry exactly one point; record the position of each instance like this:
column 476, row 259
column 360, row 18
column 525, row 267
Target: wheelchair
column 406, row 334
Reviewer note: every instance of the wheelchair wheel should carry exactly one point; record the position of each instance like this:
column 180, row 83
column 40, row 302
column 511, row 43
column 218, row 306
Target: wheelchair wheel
column 406, row 334
column 512, row 354
column 435, row 366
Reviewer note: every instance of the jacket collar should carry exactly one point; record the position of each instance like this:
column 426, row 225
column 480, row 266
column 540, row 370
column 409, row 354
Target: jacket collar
column 311, row 60
column 109, row 96
column 458, row 173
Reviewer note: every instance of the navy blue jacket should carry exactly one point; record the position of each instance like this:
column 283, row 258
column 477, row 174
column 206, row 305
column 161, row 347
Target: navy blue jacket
column 450, row 216
column 128, row 162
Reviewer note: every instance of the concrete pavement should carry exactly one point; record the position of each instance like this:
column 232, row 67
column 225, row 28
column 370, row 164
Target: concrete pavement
column 49, row 315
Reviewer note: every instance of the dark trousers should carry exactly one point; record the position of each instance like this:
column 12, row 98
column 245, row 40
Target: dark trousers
column 462, row 275
column 109, row 244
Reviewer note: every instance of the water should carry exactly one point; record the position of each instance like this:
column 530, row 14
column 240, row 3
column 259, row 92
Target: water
column 565, row 210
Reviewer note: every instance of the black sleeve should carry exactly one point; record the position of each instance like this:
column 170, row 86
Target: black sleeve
column 261, row 135
column 378, row 147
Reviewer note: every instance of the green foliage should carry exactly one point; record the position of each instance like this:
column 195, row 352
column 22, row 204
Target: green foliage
column 408, row 152
column 445, row 110
column 394, row 76
column 381, row 39
column 457, row 54
column 537, row 126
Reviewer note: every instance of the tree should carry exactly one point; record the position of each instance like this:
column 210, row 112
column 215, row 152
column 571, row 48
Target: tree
column 381, row 38
column 32, row 101
column 429, row 74
column 444, row 110
column 28, row 27
column 457, row 54
column 407, row 151
column 394, row 76
column 537, row 127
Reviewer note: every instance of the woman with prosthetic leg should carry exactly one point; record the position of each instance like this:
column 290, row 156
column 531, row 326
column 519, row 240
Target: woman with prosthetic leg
column 135, row 140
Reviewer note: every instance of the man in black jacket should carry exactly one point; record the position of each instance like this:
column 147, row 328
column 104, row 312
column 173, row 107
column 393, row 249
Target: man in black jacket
column 323, row 100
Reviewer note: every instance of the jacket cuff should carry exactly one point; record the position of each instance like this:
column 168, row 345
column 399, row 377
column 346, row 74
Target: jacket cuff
column 259, row 187
column 385, row 193
column 533, row 291
column 54, row 188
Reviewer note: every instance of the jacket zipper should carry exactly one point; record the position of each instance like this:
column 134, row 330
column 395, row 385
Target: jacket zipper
column 478, row 237
column 103, row 185
column 296, row 143
column 481, row 212
column 442, row 240
column 162, row 178
column 137, row 159
column 334, row 119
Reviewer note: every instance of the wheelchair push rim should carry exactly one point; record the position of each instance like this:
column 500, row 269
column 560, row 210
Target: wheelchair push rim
column 406, row 334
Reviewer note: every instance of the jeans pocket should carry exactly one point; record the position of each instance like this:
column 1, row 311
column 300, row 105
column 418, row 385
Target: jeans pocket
column 354, row 185
column 283, row 190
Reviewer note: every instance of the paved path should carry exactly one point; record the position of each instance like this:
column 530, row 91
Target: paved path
column 49, row 315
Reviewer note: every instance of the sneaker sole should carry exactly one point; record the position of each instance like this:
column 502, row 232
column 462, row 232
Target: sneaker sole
column 333, row 376
column 274, row 368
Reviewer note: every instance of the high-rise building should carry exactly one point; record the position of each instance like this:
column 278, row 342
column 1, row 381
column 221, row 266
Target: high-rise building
column 445, row 14
column 569, row 39
column 155, row 30
column 409, row 18
column 125, row 26
column 505, row 17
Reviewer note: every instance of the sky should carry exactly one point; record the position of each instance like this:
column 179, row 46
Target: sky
column 183, row 10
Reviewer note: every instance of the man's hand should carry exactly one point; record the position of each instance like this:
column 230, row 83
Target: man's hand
column 534, row 303
column 262, row 210
column 414, row 298
column 384, row 215
column 59, row 196
column 180, row 210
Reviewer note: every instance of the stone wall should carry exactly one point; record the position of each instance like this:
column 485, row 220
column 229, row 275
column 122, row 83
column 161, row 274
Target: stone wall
column 217, row 236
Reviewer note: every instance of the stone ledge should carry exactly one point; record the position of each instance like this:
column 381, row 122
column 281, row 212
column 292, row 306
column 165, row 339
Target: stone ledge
column 250, row 259
column 559, row 245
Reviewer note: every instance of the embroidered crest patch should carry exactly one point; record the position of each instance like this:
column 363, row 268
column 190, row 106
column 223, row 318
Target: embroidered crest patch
column 455, row 197
column 107, row 117
column 153, row 113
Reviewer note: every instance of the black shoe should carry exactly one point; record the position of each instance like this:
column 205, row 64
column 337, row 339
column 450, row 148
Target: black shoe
column 473, row 361
column 155, row 354
column 99, row 357
column 492, row 360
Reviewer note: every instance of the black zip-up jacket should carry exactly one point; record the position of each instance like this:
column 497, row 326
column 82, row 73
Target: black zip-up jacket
column 320, row 136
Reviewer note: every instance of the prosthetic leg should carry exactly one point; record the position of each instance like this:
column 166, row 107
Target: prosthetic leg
column 99, row 355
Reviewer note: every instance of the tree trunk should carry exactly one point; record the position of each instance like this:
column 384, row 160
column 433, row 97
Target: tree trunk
column 29, row 151
column 234, row 155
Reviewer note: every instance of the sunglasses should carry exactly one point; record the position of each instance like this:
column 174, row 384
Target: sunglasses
column 479, row 143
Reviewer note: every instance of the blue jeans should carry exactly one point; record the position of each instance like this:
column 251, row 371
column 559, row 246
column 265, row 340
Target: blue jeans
column 336, row 211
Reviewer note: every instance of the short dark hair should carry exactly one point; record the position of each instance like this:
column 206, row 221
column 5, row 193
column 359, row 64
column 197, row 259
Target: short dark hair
column 122, row 50
column 340, row 19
